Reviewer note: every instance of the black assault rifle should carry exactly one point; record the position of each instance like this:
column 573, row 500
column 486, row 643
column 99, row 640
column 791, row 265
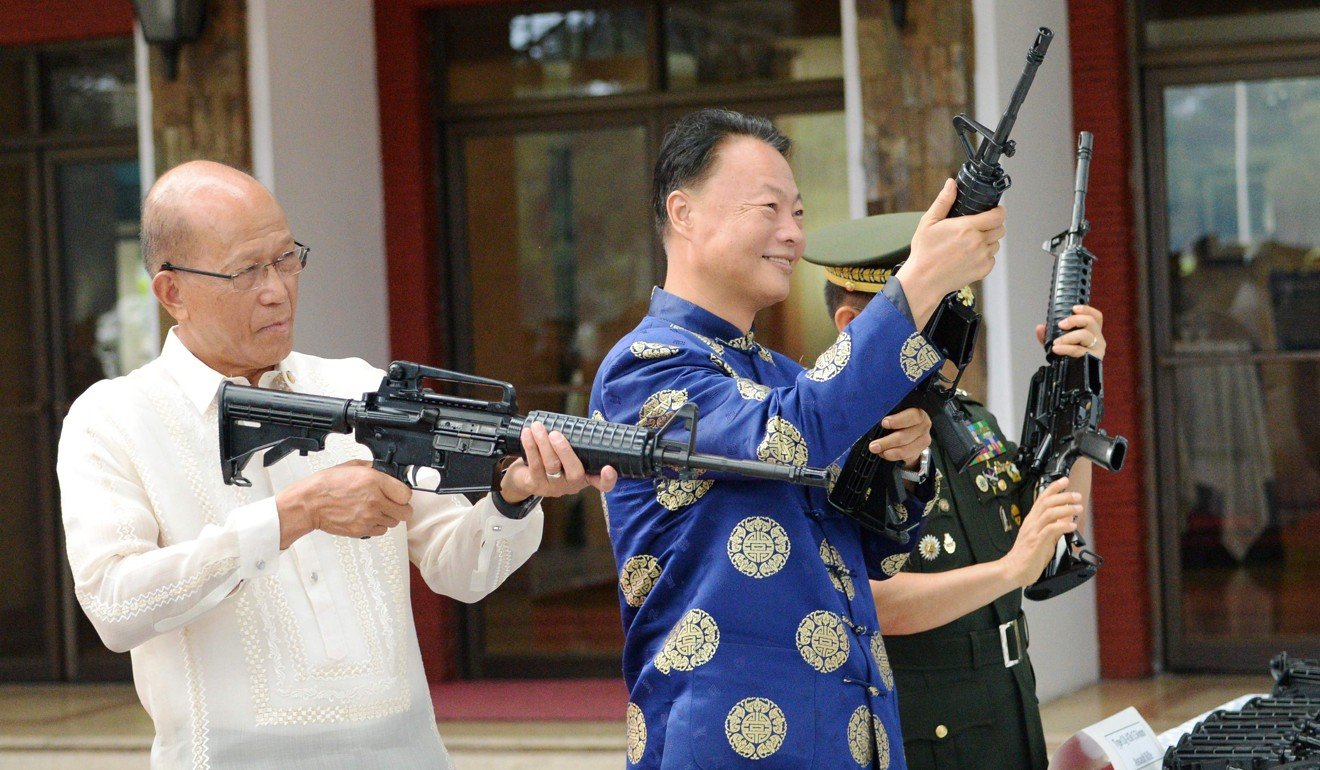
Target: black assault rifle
column 410, row 428
column 1066, row 399
column 869, row 488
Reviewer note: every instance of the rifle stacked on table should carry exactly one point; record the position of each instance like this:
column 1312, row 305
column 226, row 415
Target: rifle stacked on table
column 1278, row 732
column 445, row 443
column 870, row 488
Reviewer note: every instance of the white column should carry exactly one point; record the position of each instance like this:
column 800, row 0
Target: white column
column 853, row 109
column 1064, row 639
column 316, row 144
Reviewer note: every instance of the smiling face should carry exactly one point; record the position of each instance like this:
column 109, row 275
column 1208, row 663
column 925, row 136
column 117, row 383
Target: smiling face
column 233, row 222
column 742, row 228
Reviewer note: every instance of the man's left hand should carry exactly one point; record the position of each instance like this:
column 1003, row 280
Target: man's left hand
column 909, row 435
column 550, row 469
column 1081, row 333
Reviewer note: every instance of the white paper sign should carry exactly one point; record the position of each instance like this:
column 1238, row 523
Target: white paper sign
column 1121, row 742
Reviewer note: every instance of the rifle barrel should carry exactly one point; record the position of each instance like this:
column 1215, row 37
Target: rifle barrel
column 989, row 151
column 1084, row 140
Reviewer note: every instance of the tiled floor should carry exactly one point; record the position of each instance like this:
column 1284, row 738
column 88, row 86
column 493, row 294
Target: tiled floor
column 102, row 727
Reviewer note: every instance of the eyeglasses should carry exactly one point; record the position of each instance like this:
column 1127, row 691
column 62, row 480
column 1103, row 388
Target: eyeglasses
column 287, row 265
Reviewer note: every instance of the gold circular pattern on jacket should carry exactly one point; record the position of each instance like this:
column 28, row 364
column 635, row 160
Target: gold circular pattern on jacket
column 676, row 493
column 638, row 577
column 834, row 567
column 832, row 361
column 881, row 743
column 755, row 727
column 892, row 565
column 759, row 547
column 782, row 444
column 944, row 505
column 917, row 357
column 636, row 733
column 652, row 350
column 823, row 641
column 860, row 736
column 929, row 547
column 712, row 344
column 881, row 657
column 657, row 408
column 691, row 643
column 751, row 390
column 966, row 296
column 744, row 343
column 723, row 365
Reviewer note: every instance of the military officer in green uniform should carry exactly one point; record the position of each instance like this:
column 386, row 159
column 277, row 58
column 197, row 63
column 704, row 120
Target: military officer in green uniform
column 951, row 617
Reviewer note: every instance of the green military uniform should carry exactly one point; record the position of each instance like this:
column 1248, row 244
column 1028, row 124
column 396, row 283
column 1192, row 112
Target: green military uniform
column 967, row 691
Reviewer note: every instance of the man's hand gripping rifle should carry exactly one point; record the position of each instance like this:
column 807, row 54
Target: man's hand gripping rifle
column 1066, row 400
column 410, row 428
column 870, row 488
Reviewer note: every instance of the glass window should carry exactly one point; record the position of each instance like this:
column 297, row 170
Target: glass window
column 110, row 313
column 496, row 54
column 1242, row 159
column 748, row 41
column 89, row 89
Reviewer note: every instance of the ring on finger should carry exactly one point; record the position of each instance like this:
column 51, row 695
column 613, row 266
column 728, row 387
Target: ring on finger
column 1094, row 340
column 556, row 475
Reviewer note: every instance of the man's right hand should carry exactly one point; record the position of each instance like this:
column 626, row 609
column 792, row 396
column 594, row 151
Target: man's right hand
column 948, row 254
column 1053, row 515
column 352, row 500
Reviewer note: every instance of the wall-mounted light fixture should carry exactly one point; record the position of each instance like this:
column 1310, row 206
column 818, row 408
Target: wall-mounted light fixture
column 169, row 24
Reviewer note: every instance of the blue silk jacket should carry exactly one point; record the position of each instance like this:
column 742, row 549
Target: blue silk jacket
column 750, row 629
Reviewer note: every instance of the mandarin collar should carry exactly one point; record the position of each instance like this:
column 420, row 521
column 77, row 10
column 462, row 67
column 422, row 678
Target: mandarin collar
column 200, row 382
column 680, row 312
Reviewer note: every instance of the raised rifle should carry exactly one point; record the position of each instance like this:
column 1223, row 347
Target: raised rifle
column 410, row 428
column 1066, row 399
column 870, row 488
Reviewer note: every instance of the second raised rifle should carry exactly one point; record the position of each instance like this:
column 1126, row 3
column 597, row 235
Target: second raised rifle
column 1066, row 400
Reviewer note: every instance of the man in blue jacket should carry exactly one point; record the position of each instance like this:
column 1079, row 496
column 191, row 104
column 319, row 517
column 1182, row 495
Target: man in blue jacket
column 750, row 629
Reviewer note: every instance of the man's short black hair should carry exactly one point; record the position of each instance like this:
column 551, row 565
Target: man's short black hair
column 836, row 297
column 689, row 150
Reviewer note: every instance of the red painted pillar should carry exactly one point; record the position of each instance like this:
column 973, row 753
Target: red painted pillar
column 28, row 22
column 1101, row 98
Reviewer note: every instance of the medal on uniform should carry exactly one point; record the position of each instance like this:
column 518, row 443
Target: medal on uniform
column 949, row 545
column 985, row 438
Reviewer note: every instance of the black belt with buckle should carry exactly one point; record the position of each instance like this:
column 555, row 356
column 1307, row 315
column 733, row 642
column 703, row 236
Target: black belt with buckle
column 1003, row 645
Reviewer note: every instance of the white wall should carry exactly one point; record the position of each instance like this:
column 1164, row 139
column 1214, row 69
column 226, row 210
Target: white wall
column 1064, row 641
column 316, row 144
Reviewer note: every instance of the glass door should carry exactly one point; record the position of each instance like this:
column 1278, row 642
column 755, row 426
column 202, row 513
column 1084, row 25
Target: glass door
column 104, row 323
column 1235, row 261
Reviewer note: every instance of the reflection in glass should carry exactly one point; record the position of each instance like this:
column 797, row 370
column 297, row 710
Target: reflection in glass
column 741, row 41
column 551, row 292
column 1249, row 496
column 1243, row 162
column 89, row 89
column 497, row 54
column 109, row 311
